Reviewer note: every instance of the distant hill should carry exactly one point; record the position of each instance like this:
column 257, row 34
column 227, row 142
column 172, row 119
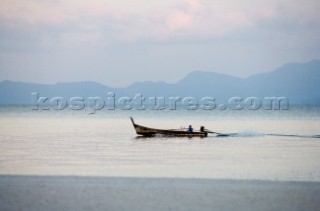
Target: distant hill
column 298, row 82
column 20, row 92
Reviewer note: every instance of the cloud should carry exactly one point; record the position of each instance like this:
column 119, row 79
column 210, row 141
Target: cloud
column 15, row 13
column 178, row 20
column 78, row 25
column 75, row 24
column 189, row 18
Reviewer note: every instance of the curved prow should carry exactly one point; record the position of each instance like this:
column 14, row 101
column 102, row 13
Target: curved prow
column 132, row 120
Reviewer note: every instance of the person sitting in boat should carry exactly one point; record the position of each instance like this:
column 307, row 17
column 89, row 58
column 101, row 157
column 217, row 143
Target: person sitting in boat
column 190, row 129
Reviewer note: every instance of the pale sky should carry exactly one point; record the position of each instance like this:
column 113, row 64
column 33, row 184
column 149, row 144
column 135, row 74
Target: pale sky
column 119, row 42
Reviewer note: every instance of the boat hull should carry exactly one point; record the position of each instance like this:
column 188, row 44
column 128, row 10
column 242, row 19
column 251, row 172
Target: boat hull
column 146, row 131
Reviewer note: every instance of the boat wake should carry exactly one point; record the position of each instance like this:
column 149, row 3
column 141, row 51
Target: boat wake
column 255, row 134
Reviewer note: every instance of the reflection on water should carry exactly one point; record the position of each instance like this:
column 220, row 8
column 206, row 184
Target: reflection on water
column 276, row 145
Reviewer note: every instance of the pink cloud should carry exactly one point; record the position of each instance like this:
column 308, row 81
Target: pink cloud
column 266, row 13
column 178, row 20
column 194, row 18
column 29, row 13
column 237, row 19
column 188, row 18
column 195, row 4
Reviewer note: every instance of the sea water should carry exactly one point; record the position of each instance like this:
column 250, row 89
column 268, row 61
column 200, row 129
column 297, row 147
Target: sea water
column 259, row 144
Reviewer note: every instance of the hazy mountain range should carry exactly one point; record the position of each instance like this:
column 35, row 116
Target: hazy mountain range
column 298, row 82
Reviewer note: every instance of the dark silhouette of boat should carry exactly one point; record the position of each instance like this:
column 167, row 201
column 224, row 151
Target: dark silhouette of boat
column 146, row 131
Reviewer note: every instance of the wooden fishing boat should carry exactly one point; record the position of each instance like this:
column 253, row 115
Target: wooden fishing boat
column 146, row 131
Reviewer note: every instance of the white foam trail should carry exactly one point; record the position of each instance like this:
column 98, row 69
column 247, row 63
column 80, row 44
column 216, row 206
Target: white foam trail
column 249, row 133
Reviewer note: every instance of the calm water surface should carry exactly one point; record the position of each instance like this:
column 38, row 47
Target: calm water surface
column 272, row 145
